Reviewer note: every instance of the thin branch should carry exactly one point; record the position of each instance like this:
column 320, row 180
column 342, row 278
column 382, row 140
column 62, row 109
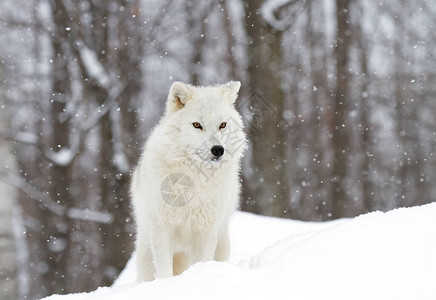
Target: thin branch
column 30, row 190
column 113, row 94
column 34, row 142
column 74, row 213
column 158, row 19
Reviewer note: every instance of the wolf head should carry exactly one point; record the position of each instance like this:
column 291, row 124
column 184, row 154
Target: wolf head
column 204, row 126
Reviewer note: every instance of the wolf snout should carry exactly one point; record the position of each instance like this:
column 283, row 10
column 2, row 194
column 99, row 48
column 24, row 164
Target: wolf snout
column 217, row 150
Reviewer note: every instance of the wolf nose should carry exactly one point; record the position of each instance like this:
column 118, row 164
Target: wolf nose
column 217, row 151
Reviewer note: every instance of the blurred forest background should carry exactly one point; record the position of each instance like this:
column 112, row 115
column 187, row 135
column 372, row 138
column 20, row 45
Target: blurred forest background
column 338, row 98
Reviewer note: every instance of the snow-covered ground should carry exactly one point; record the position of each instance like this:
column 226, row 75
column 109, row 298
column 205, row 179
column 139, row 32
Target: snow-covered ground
column 374, row 256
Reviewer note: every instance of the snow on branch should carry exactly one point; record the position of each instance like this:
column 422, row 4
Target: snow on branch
column 93, row 67
column 27, row 138
column 269, row 10
column 30, row 190
column 119, row 157
column 63, row 157
column 90, row 215
column 111, row 99
column 57, row 209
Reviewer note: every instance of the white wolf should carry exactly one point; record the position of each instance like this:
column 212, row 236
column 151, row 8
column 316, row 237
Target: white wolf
column 186, row 185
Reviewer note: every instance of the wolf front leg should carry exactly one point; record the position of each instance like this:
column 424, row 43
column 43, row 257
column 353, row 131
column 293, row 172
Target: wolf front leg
column 144, row 261
column 162, row 255
column 222, row 251
column 204, row 247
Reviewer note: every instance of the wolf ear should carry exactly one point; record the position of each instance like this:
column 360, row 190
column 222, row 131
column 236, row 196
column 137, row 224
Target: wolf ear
column 231, row 90
column 179, row 94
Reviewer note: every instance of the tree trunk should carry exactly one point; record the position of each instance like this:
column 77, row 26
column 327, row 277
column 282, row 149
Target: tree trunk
column 116, row 241
column 119, row 144
column 269, row 185
column 340, row 130
column 366, row 144
column 318, row 142
column 57, row 228
column 8, row 195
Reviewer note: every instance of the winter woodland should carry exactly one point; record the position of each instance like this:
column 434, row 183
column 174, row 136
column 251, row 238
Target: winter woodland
column 338, row 100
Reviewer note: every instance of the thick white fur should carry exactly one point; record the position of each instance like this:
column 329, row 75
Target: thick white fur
column 170, row 239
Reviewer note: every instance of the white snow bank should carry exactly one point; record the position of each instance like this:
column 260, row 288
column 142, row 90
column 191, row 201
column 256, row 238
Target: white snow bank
column 374, row 256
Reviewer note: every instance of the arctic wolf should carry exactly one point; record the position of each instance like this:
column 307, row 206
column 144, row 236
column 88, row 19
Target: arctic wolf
column 186, row 185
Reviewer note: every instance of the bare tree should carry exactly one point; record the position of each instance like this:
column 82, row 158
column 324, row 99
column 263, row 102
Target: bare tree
column 340, row 126
column 268, row 186
column 8, row 259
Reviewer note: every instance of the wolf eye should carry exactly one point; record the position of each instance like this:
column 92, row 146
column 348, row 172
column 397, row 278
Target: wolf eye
column 223, row 125
column 197, row 125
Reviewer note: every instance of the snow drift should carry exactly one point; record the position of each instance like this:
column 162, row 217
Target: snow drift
column 374, row 256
